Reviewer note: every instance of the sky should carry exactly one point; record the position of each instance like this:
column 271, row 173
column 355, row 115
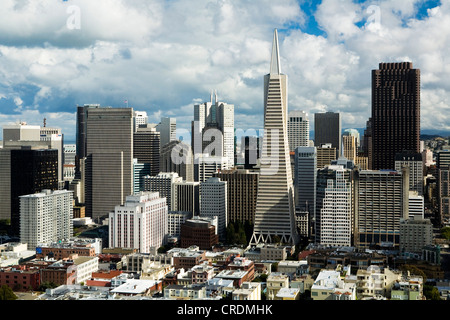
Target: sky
column 164, row 56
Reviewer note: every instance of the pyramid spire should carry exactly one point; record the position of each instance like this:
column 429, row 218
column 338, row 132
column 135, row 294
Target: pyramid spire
column 275, row 61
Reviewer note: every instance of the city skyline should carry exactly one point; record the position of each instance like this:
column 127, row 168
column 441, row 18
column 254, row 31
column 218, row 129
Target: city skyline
column 63, row 59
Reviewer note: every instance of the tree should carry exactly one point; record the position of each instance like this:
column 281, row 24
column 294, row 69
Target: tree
column 445, row 232
column 6, row 293
column 431, row 292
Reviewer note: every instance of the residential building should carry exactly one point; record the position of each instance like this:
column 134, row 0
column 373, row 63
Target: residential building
column 415, row 165
column 275, row 282
column 415, row 234
column 247, row 291
column 329, row 286
column 46, row 217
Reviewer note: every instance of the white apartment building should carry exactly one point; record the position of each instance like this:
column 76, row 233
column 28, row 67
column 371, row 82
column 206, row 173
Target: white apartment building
column 46, row 217
column 329, row 286
column 213, row 202
column 298, row 129
column 140, row 223
column 85, row 267
column 336, row 212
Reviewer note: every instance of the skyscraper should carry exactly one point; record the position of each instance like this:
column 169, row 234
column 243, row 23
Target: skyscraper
column 298, row 129
column 275, row 208
column 327, row 129
column 109, row 163
column 167, row 129
column 213, row 203
column 146, row 147
column 395, row 112
column 305, row 178
column 24, row 171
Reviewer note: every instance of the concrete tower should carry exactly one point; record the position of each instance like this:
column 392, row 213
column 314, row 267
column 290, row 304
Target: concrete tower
column 275, row 209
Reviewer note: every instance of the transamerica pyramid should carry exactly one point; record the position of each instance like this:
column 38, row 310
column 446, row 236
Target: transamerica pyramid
column 275, row 209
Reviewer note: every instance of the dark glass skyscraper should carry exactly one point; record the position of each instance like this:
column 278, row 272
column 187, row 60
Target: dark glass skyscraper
column 395, row 112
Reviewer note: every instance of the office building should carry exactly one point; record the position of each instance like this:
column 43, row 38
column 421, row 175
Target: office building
column 199, row 232
column 140, row 170
column 275, row 208
column 305, row 177
column 381, row 200
column 109, row 159
column 242, row 188
column 443, row 193
column 81, row 132
column 167, row 129
column 140, row 223
column 186, row 196
column 205, row 166
column 146, row 147
column 46, row 217
column 443, row 159
column 327, row 130
column 176, row 156
column 251, row 150
column 164, row 184
column 325, row 155
column 298, row 129
column 416, row 205
column 213, row 129
column 24, row 171
column 415, row 165
column 213, row 203
column 350, row 145
column 395, row 117
column 140, row 119
column 175, row 220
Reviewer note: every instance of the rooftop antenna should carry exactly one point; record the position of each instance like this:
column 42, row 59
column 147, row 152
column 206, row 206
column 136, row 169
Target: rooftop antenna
column 45, row 122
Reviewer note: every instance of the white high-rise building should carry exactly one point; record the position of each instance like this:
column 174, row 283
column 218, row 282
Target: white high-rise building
column 298, row 129
column 275, row 207
column 164, row 184
column 46, row 217
column 205, row 166
column 416, row 205
column 415, row 164
column 213, row 203
column 336, row 211
column 140, row 223
column 214, row 121
column 167, row 129
column 140, row 118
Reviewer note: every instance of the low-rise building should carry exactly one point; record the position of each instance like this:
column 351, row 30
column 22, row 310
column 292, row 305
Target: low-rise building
column 248, row 291
column 276, row 281
column 138, row 287
column 288, row 294
column 179, row 292
column 329, row 286
column 408, row 288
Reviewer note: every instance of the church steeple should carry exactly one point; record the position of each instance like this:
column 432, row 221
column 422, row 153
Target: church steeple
column 275, row 61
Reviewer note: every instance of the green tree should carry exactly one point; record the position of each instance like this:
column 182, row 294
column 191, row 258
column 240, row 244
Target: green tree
column 445, row 232
column 431, row 292
column 6, row 293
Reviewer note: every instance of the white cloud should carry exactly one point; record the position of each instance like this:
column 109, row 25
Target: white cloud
column 164, row 56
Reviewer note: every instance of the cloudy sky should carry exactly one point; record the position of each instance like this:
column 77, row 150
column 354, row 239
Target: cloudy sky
column 163, row 56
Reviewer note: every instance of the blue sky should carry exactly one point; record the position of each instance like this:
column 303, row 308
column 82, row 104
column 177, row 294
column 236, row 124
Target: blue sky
column 165, row 56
